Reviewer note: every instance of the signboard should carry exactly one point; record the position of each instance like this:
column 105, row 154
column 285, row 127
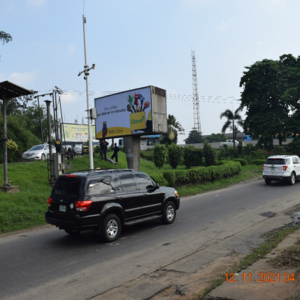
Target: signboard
column 76, row 132
column 131, row 112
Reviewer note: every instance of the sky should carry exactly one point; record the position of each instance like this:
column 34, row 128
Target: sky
column 137, row 43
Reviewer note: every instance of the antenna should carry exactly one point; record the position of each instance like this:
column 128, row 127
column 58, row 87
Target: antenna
column 196, row 105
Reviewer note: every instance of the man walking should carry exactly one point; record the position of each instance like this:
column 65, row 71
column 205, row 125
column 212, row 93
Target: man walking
column 116, row 150
column 103, row 147
column 58, row 145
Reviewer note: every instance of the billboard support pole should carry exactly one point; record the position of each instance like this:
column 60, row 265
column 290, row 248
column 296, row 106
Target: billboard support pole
column 132, row 151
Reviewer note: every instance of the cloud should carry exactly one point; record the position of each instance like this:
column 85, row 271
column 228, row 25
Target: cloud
column 36, row 3
column 222, row 27
column 20, row 78
column 71, row 49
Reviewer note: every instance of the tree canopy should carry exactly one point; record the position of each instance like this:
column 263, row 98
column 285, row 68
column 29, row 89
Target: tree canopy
column 173, row 127
column 194, row 137
column 271, row 93
column 5, row 37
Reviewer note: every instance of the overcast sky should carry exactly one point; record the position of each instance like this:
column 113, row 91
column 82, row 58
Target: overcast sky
column 136, row 43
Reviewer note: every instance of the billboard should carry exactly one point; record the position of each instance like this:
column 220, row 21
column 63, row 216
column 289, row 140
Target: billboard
column 131, row 112
column 76, row 132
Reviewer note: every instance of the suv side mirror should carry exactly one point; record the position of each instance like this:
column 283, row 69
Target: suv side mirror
column 157, row 185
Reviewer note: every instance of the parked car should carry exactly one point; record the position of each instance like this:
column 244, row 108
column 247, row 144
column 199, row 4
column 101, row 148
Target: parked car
column 108, row 199
column 38, row 152
column 281, row 167
column 76, row 150
column 229, row 143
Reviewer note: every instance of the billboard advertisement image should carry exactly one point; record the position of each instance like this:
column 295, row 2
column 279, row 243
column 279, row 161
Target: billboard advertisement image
column 124, row 113
column 76, row 132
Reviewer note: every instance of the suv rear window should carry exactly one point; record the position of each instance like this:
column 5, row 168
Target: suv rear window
column 275, row 161
column 68, row 186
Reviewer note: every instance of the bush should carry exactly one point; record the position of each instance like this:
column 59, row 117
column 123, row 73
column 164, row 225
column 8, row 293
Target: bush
column 233, row 153
column 224, row 152
column 209, row 155
column 258, row 162
column 242, row 161
column 175, row 155
column 294, row 146
column 159, row 178
column 147, row 155
column 201, row 175
column 160, row 155
column 279, row 150
column 240, row 148
column 192, row 156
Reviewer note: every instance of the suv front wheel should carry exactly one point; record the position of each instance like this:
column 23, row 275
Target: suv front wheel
column 169, row 213
column 111, row 228
column 293, row 179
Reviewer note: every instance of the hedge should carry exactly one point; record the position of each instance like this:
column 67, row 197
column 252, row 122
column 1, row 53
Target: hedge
column 158, row 178
column 201, row 175
column 242, row 161
column 258, row 162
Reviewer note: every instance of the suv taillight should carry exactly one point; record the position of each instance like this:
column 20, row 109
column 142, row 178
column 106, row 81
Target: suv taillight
column 83, row 205
column 49, row 201
column 263, row 167
column 284, row 168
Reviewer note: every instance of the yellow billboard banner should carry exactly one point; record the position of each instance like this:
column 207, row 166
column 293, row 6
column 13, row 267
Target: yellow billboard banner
column 137, row 120
column 113, row 131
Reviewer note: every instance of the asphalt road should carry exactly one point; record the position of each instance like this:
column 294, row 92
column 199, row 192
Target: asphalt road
column 49, row 264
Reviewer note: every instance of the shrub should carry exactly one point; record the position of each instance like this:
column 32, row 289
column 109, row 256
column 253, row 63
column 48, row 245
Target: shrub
column 146, row 155
column 160, row 155
column 294, row 146
column 192, row 156
column 175, row 155
column 242, row 161
column 233, row 153
column 258, row 162
column 224, row 152
column 279, row 150
column 240, row 148
column 159, row 178
column 209, row 155
column 201, row 175
column 12, row 151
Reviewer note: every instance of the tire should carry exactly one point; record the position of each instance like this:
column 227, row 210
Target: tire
column 111, row 228
column 43, row 157
column 268, row 181
column 169, row 213
column 292, row 179
column 72, row 231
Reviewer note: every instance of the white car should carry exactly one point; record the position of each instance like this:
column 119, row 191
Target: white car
column 281, row 167
column 229, row 143
column 38, row 152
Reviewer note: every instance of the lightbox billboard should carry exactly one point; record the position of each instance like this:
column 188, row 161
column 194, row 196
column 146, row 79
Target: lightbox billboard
column 125, row 113
column 76, row 132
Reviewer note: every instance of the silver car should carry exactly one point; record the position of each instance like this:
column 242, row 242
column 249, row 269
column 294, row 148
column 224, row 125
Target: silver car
column 38, row 152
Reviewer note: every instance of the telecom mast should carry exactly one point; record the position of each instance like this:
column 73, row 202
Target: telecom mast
column 196, row 106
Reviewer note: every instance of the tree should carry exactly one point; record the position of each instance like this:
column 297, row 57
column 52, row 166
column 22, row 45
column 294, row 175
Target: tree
column 233, row 118
column 215, row 138
column 160, row 155
column 209, row 155
column 194, row 137
column 5, row 37
column 175, row 153
column 173, row 127
column 271, row 95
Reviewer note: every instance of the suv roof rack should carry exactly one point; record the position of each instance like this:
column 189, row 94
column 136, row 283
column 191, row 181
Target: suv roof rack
column 99, row 171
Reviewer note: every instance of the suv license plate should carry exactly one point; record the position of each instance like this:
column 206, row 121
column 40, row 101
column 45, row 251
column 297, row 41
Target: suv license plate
column 62, row 208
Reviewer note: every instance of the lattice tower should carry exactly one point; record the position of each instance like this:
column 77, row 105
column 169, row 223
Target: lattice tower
column 196, row 105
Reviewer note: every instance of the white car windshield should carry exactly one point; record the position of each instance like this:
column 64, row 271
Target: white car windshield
column 34, row 148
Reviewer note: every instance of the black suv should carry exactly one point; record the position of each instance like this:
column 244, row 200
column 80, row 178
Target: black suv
column 105, row 200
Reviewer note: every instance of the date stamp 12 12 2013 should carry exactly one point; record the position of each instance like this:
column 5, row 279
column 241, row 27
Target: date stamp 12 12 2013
column 262, row 277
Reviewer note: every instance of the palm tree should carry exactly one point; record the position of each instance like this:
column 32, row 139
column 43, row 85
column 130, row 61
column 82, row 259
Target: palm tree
column 233, row 119
column 173, row 128
column 5, row 37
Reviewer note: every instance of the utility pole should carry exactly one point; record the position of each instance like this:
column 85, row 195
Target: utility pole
column 86, row 77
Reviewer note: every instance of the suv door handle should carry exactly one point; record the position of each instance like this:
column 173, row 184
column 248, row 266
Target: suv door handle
column 119, row 197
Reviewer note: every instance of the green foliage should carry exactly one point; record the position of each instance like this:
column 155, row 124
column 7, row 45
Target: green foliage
column 215, row 138
column 202, row 175
column 160, row 155
column 12, row 148
column 192, row 156
column 209, row 155
column 194, row 137
column 248, row 152
column 173, row 127
column 233, row 152
column 224, row 153
column 175, row 155
column 258, row 162
column 294, row 146
column 240, row 148
column 279, row 150
column 158, row 178
column 147, row 155
column 5, row 37
column 242, row 161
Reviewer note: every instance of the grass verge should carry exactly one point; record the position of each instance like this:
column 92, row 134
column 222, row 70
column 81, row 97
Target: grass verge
column 272, row 240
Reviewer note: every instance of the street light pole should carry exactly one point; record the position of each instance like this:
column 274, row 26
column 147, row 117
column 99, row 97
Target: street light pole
column 86, row 77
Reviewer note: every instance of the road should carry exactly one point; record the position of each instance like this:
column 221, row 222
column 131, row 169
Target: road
column 49, row 264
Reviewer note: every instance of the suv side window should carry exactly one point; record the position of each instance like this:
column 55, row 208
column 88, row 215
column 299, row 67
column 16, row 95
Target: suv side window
column 96, row 187
column 295, row 160
column 288, row 161
column 127, row 182
column 116, row 184
column 142, row 181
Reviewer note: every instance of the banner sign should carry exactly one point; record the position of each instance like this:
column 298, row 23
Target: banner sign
column 76, row 132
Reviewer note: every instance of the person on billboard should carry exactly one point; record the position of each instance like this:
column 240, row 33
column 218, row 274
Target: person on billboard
column 116, row 150
column 103, row 147
column 58, row 145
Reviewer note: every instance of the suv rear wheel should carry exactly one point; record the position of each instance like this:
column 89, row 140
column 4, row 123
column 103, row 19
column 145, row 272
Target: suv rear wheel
column 293, row 179
column 169, row 213
column 111, row 228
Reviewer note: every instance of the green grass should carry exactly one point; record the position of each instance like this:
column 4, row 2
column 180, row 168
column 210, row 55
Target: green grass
column 26, row 209
column 273, row 239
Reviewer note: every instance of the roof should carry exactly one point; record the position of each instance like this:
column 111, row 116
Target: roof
column 9, row 90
